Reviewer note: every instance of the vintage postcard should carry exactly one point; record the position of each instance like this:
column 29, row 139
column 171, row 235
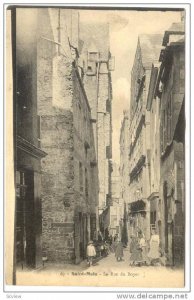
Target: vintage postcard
column 96, row 194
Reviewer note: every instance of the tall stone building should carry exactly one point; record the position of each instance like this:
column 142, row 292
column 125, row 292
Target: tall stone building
column 124, row 157
column 153, row 107
column 170, row 88
column 111, row 218
column 116, row 208
column 69, row 172
column 124, row 164
column 56, row 158
column 28, row 155
column 147, row 52
column 96, row 63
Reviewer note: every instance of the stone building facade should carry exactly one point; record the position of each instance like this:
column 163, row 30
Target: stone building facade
column 147, row 52
column 157, row 148
column 111, row 217
column 153, row 107
column 69, row 172
column 116, row 208
column 124, row 157
column 170, row 88
column 28, row 155
column 56, row 156
column 95, row 61
column 124, row 168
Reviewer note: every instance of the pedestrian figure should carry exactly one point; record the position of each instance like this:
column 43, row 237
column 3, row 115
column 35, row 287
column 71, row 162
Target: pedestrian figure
column 154, row 253
column 114, row 244
column 106, row 249
column 101, row 249
column 135, row 250
column 100, row 237
column 116, row 237
column 91, row 252
column 143, row 246
column 119, row 251
column 110, row 239
column 95, row 236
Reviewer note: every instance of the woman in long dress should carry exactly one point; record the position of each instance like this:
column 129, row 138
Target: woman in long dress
column 135, row 250
column 119, row 251
column 154, row 253
column 144, row 248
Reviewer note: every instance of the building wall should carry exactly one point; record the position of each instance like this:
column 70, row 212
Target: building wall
column 147, row 52
column 26, row 70
column 28, row 155
column 155, row 145
column 57, row 167
column 124, row 158
column 139, row 150
column 155, row 201
column 110, row 219
column 172, row 155
column 124, row 170
column 94, row 61
column 69, row 172
column 136, row 74
column 104, row 129
column 153, row 107
column 85, row 164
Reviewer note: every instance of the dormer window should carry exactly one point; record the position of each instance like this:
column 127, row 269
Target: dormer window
column 89, row 69
column 92, row 56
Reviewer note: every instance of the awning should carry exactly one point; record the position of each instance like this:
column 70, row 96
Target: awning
column 138, row 206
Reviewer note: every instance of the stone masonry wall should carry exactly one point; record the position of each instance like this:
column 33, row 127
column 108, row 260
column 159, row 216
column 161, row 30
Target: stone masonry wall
column 103, row 138
column 57, row 187
column 67, row 137
column 57, row 170
column 172, row 165
column 56, row 126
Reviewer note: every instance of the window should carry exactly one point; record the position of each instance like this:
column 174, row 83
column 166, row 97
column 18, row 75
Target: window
column 169, row 118
column 86, row 152
column 164, row 130
column 38, row 131
column 93, row 56
column 85, row 125
column 108, row 106
column 89, row 69
column 153, row 219
column 86, row 183
column 80, row 177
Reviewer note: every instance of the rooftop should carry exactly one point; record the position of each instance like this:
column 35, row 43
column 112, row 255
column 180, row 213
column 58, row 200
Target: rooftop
column 150, row 45
column 175, row 29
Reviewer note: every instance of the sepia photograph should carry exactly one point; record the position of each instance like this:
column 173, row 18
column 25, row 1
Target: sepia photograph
column 95, row 146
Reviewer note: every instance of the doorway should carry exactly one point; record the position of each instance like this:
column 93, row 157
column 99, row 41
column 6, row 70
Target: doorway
column 25, row 219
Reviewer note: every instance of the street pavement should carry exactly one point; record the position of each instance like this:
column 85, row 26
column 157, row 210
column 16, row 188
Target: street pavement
column 106, row 271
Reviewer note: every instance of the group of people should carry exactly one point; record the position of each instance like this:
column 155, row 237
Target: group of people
column 142, row 252
column 101, row 247
column 145, row 252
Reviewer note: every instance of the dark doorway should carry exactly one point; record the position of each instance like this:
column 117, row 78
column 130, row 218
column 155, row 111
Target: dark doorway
column 170, row 244
column 93, row 226
column 83, row 235
column 25, row 219
column 165, row 216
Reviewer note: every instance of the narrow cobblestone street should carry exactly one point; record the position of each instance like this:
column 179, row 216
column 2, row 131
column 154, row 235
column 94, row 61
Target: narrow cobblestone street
column 106, row 269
